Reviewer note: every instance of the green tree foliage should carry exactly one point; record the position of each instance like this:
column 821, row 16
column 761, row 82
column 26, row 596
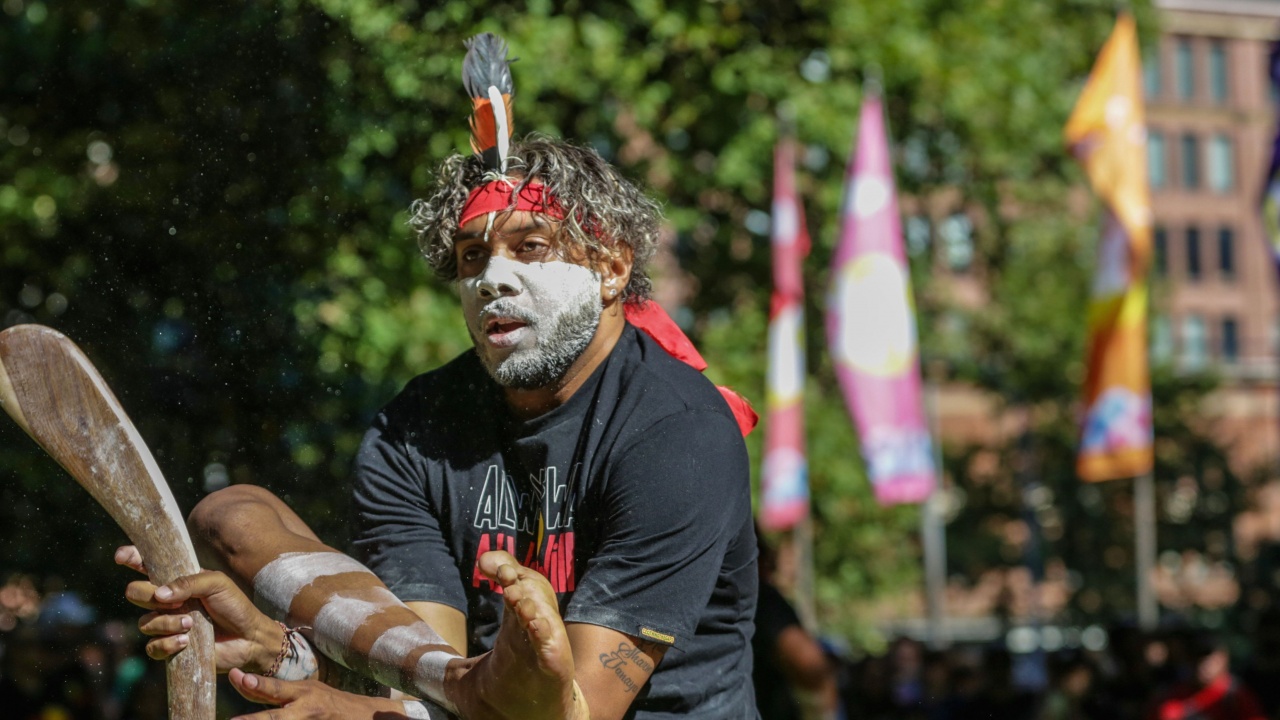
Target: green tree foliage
column 212, row 201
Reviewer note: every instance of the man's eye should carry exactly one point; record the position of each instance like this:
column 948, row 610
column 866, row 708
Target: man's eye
column 472, row 254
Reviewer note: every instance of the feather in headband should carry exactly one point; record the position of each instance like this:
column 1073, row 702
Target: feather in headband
column 486, row 74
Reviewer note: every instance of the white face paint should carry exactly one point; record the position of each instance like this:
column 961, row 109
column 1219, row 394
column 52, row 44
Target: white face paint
column 531, row 321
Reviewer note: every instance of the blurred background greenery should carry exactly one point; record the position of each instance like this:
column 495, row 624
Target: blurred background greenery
column 211, row 200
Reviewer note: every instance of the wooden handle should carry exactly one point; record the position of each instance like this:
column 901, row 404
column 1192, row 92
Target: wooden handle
column 52, row 390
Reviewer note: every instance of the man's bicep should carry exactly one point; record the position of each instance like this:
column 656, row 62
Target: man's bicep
column 611, row 667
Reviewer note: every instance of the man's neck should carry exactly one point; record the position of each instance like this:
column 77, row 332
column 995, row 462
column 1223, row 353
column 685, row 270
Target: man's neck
column 531, row 403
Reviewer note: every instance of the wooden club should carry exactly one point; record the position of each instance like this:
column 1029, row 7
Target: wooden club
column 52, row 390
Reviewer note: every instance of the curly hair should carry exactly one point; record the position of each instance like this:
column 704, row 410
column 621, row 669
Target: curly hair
column 601, row 208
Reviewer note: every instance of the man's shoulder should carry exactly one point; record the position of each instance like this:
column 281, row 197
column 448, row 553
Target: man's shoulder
column 663, row 385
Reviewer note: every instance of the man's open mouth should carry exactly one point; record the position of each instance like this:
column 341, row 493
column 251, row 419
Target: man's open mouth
column 504, row 331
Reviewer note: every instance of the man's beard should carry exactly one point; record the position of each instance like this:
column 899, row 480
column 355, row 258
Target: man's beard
column 561, row 341
column 562, row 329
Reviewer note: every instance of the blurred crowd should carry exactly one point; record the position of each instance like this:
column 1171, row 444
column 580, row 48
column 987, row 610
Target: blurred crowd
column 1173, row 674
column 63, row 663
column 1179, row 672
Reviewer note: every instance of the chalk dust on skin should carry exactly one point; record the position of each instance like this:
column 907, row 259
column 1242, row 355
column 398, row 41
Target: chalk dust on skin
column 559, row 301
column 531, row 664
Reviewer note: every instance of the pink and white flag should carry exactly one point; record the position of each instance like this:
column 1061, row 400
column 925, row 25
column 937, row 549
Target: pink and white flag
column 785, row 482
column 871, row 324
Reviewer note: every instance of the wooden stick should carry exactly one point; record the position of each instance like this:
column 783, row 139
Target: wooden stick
column 52, row 390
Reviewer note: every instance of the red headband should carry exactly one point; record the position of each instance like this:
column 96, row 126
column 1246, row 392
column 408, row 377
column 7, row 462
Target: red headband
column 495, row 196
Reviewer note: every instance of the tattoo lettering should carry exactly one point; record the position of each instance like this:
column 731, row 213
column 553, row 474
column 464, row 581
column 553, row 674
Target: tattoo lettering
column 618, row 660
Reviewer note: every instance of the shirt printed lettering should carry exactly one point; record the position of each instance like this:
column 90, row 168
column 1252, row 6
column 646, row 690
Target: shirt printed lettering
column 543, row 528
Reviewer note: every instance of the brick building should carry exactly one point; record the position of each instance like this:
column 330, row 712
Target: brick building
column 1215, row 302
column 1210, row 117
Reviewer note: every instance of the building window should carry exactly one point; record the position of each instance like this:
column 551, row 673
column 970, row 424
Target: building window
column 1161, row 340
column 956, row 232
column 1221, row 165
column 1195, row 347
column 1157, row 167
column 1190, row 161
column 1227, row 253
column 1218, row 72
column 1184, row 69
column 1160, row 251
column 1193, row 253
column 1230, row 340
column 1152, row 82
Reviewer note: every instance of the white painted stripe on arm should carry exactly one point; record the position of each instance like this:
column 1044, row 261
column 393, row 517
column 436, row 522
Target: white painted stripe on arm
column 339, row 618
column 418, row 710
column 390, row 652
column 279, row 581
column 429, row 675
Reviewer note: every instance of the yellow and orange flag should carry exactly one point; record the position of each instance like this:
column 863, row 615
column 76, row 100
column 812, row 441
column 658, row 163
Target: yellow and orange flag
column 1107, row 134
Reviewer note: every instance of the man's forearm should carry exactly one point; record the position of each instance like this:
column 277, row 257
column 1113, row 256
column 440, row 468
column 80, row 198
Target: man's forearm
column 356, row 622
column 298, row 660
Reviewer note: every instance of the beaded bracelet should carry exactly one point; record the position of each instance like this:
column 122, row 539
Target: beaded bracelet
column 285, row 645
column 297, row 660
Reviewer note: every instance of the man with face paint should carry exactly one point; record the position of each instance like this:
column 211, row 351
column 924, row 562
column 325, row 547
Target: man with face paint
column 567, row 504
column 531, row 314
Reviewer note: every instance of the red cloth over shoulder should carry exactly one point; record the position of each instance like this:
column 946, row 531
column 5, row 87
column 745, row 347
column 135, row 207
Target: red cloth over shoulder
column 649, row 317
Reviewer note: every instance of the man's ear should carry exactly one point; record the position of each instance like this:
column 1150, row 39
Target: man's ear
column 615, row 273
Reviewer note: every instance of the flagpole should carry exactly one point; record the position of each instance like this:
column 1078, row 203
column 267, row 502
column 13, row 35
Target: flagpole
column 1144, row 530
column 933, row 535
column 1027, row 472
column 1270, row 197
column 806, row 605
column 786, row 501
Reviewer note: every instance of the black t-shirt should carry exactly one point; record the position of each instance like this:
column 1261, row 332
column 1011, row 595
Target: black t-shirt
column 632, row 498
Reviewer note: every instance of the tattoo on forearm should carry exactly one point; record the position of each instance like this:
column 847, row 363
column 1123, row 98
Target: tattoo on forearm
column 621, row 661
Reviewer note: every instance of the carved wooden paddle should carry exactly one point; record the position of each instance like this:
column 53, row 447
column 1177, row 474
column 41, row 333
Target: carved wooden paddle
column 52, row 390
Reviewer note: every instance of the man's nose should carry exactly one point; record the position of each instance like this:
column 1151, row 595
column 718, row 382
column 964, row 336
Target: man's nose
column 499, row 279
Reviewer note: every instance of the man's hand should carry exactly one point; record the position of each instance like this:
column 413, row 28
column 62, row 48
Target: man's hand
column 311, row 700
column 530, row 672
column 246, row 638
